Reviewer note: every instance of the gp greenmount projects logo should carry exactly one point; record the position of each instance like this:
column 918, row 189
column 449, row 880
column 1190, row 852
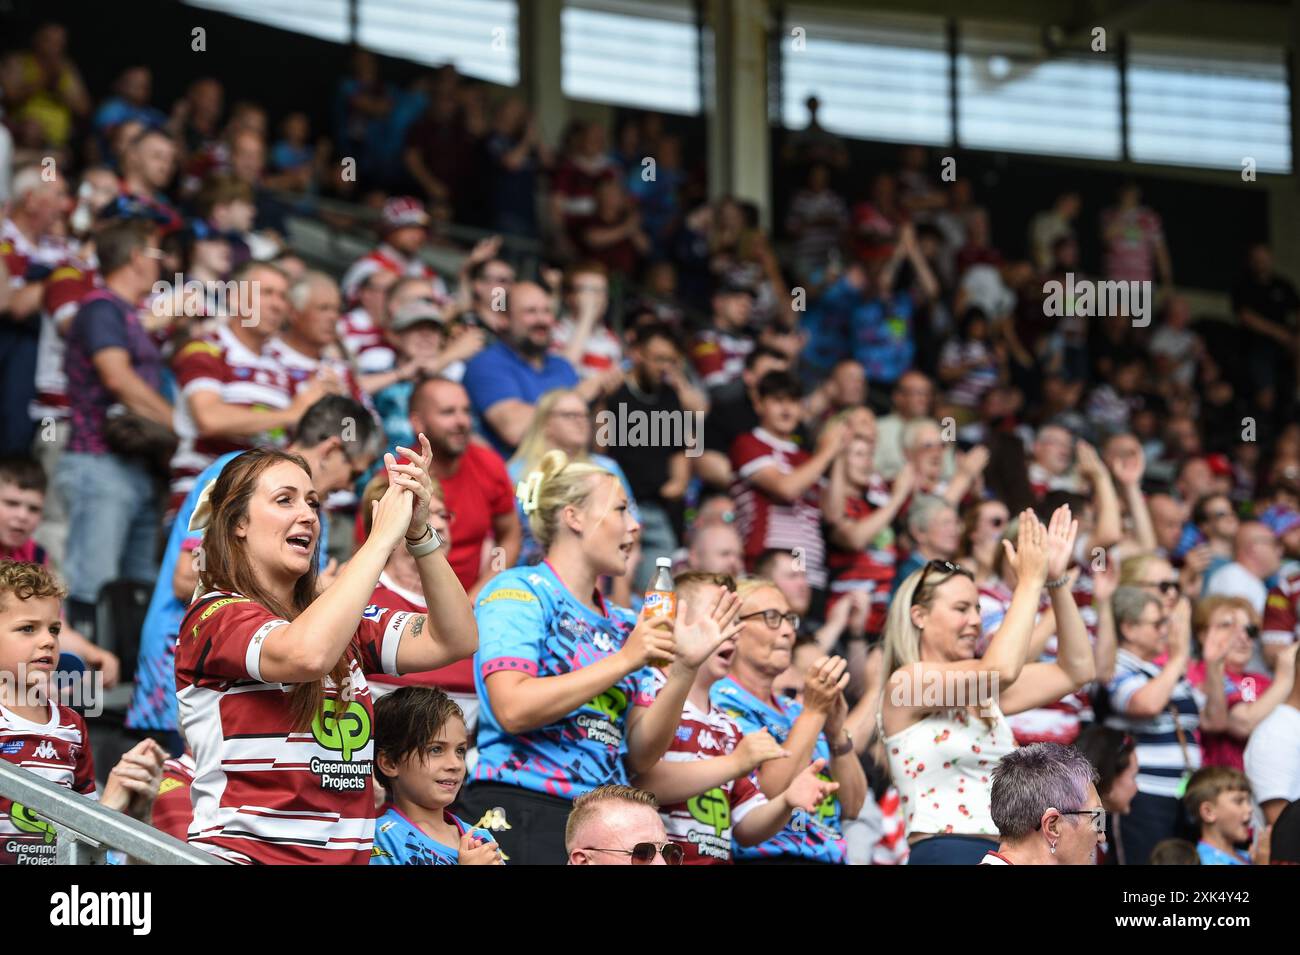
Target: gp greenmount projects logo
column 1085, row 298
column 83, row 690
column 195, row 299
column 624, row 427
column 346, row 733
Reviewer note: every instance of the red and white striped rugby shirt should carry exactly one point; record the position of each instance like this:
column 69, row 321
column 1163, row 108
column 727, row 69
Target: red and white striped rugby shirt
column 58, row 751
column 264, row 791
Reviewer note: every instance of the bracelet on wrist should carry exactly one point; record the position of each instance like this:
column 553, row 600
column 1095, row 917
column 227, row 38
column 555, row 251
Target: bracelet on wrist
column 428, row 531
column 1058, row 582
column 427, row 546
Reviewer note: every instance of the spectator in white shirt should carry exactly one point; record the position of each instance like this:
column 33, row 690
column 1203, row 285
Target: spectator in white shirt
column 1258, row 556
column 1273, row 757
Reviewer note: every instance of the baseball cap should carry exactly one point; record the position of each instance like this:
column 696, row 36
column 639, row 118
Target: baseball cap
column 413, row 313
column 1280, row 520
column 402, row 211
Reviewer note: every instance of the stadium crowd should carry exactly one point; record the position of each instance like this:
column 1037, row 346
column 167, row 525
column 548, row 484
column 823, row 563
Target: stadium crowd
column 957, row 580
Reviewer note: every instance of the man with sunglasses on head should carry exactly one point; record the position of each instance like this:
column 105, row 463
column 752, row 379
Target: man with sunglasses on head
column 1046, row 808
column 618, row 825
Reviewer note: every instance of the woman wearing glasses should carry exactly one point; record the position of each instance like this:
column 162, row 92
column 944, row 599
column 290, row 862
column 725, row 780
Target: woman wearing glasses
column 1151, row 699
column 1249, row 696
column 559, row 670
column 562, row 422
column 942, row 716
column 812, row 730
column 1046, row 808
column 1157, row 577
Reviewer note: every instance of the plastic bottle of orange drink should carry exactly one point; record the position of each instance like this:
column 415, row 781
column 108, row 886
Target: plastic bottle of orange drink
column 661, row 599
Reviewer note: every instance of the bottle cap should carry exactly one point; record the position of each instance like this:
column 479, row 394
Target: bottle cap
column 663, row 562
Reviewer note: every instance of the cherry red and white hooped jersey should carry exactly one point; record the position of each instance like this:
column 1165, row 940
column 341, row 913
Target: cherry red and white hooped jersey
column 223, row 364
column 20, row 254
column 301, row 369
column 385, row 257
column 64, row 289
column 364, row 341
column 58, row 751
column 703, row 824
column 263, row 790
column 1281, row 625
column 172, row 811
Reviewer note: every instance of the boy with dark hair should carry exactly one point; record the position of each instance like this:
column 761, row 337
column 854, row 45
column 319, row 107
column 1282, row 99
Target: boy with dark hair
column 22, row 502
column 420, row 748
column 43, row 736
column 777, row 486
column 1218, row 800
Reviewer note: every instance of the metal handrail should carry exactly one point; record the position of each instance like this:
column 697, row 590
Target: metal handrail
column 85, row 830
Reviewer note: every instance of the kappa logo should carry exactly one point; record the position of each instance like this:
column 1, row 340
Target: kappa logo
column 45, row 750
column 494, row 820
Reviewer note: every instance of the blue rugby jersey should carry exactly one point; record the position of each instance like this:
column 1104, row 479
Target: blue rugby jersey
column 817, row 835
column 528, row 622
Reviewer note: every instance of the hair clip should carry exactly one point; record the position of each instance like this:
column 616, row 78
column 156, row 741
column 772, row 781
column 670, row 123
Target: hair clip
column 527, row 491
column 202, row 515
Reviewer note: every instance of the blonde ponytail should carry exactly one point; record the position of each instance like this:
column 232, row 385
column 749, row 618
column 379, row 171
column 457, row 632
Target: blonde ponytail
column 555, row 484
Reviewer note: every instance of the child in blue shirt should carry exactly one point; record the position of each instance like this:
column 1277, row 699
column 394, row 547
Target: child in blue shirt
column 420, row 747
column 1218, row 800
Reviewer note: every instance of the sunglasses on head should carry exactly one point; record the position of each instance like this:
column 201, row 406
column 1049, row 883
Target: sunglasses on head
column 939, row 566
column 1166, row 586
column 643, row 853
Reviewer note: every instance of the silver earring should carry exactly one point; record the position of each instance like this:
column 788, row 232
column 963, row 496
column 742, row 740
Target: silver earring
column 1052, row 846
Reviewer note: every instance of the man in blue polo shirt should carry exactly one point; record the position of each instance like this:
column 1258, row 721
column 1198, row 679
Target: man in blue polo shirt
column 505, row 380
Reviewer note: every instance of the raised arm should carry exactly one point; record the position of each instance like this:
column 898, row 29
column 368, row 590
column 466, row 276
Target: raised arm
column 1128, row 472
column 307, row 649
column 1153, row 698
column 790, row 487
column 1043, row 683
column 697, row 632
column 1108, row 529
column 1244, row 717
column 447, row 633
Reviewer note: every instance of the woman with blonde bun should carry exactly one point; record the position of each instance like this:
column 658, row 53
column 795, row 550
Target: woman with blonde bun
column 560, row 670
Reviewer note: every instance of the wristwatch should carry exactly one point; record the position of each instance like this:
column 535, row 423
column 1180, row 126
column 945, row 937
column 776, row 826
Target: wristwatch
column 426, row 543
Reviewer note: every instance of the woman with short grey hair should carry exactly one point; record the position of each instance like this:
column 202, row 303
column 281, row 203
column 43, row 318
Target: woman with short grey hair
column 1157, row 705
column 1046, row 807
